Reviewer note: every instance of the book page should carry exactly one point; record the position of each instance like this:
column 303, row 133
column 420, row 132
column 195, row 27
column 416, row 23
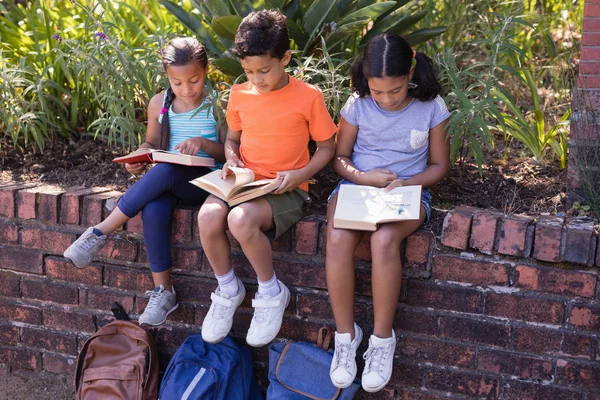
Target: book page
column 242, row 176
column 175, row 157
column 213, row 183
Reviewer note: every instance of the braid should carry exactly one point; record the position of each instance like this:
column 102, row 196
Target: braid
column 165, row 135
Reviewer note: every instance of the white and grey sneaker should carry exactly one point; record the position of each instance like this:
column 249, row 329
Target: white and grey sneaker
column 219, row 319
column 83, row 250
column 268, row 316
column 343, row 365
column 379, row 360
column 161, row 304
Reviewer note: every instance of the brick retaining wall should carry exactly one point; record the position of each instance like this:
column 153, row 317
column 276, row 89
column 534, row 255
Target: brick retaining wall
column 496, row 307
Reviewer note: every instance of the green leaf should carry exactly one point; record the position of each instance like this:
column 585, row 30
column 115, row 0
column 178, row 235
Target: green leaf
column 296, row 33
column 190, row 22
column 226, row 26
column 373, row 12
column 424, row 35
column 397, row 22
column 228, row 66
column 343, row 32
column 218, row 8
column 314, row 18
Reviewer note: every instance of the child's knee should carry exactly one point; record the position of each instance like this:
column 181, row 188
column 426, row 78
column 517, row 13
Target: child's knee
column 240, row 225
column 212, row 218
column 385, row 241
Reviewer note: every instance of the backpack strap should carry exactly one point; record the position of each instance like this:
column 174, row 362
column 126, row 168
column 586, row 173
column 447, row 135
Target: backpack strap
column 324, row 338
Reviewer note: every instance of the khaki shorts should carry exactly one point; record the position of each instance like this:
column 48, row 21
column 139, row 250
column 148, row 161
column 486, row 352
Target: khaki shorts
column 287, row 210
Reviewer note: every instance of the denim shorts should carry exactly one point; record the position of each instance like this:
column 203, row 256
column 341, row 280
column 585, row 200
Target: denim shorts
column 425, row 197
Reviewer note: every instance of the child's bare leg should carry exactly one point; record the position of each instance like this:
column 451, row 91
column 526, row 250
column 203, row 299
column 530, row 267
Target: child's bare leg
column 339, row 262
column 212, row 223
column 112, row 222
column 387, row 271
column 162, row 278
column 247, row 223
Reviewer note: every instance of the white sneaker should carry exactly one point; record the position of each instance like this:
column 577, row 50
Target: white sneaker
column 379, row 360
column 343, row 365
column 162, row 303
column 83, row 250
column 268, row 316
column 219, row 319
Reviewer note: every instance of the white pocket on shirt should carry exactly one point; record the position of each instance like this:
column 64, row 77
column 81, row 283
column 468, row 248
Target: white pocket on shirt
column 418, row 138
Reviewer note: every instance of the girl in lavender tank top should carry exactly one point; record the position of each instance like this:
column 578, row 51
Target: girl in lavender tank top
column 392, row 133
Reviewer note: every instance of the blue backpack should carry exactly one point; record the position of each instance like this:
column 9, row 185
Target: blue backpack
column 201, row 370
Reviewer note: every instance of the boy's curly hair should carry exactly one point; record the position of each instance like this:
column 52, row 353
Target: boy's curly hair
column 262, row 33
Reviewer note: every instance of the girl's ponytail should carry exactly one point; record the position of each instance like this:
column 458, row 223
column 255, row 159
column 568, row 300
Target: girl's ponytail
column 165, row 135
column 359, row 80
column 428, row 87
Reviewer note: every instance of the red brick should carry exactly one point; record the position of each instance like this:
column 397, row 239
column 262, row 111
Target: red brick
column 124, row 278
column 93, row 207
column 418, row 248
column 583, row 375
column 589, row 81
column 576, row 345
column 311, row 306
column 518, row 390
column 524, row 367
column 9, row 233
column 427, row 294
column 556, row 281
column 307, row 237
column 437, row 351
column 591, row 25
column 411, row 320
column 580, row 243
column 60, row 268
column 69, row 320
column 182, row 224
column 457, row 227
column 299, row 274
column 283, row 243
column 548, row 235
column 533, row 340
column 59, row 364
column 135, row 225
column 20, row 357
column 192, row 289
column 591, row 9
column 102, row 299
column 7, row 198
column 471, row 384
column 515, row 306
column 20, row 259
column 49, row 340
column 45, row 290
column 71, row 203
column 410, row 394
column 19, row 313
column 586, row 317
column 363, row 250
column 49, row 201
column 407, row 375
column 53, row 242
column 471, row 271
column 185, row 314
column 483, row 231
column 9, row 334
column 10, row 284
column 589, row 68
column 387, row 393
column 187, row 259
column 513, row 236
column 475, row 331
column 168, row 338
column 120, row 249
column 26, row 204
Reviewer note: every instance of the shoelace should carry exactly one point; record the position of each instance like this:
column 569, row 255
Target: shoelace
column 374, row 358
column 155, row 298
column 89, row 241
column 219, row 310
column 343, row 354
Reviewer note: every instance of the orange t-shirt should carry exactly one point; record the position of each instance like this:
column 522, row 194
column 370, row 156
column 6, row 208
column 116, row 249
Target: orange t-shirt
column 276, row 126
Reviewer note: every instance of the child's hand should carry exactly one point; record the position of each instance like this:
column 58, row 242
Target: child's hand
column 395, row 183
column 135, row 168
column 290, row 180
column 190, row 146
column 379, row 177
column 231, row 162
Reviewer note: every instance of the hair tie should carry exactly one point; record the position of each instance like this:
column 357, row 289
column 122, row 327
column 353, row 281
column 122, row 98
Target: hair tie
column 414, row 54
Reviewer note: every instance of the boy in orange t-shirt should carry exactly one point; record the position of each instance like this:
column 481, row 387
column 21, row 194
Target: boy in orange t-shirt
column 271, row 119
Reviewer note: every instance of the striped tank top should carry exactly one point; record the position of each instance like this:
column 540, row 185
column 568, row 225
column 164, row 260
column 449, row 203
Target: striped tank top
column 186, row 125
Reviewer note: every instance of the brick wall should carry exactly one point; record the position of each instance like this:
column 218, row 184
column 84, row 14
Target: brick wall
column 585, row 120
column 495, row 307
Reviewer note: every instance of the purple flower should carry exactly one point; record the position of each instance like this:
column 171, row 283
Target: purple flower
column 57, row 37
column 164, row 110
column 101, row 35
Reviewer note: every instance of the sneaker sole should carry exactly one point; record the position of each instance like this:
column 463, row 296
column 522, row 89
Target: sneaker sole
column 345, row 385
column 378, row 388
column 287, row 303
column 163, row 321
column 67, row 256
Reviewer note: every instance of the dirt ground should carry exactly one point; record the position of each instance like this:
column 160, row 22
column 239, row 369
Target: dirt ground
column 29, row 385
column 510, row 183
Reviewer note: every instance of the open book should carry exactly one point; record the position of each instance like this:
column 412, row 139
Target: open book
column 171, row 157
column 237, row 187
column 363, row 207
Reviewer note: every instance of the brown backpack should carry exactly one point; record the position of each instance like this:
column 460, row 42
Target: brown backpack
column 119, row 362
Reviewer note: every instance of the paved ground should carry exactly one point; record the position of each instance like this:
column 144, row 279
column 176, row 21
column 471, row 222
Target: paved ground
column 27, row 385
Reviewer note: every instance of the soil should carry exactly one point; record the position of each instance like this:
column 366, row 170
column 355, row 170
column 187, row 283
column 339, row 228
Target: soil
column 29, row 385
column 513, row 184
